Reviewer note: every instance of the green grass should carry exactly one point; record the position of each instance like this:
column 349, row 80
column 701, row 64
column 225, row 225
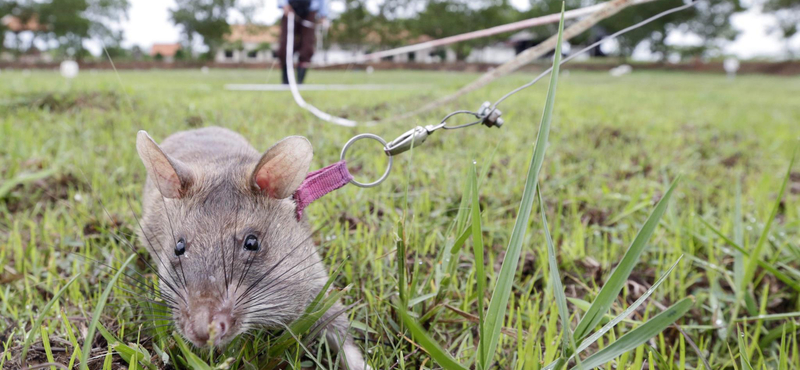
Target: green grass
column 615, row 145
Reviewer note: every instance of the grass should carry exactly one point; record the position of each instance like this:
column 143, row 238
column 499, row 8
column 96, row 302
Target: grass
column 614, row 147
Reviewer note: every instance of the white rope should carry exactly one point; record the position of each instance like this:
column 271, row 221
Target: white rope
column 329, row 87
column 293, row 83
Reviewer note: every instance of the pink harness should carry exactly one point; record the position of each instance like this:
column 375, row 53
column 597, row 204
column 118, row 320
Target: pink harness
column 319, row 183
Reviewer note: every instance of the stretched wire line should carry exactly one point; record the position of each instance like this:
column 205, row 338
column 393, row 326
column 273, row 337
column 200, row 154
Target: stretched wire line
column 610, row 37
column 293, row 83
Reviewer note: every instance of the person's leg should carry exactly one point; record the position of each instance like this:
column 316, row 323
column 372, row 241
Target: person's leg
column 306, row 48
column 282, row 50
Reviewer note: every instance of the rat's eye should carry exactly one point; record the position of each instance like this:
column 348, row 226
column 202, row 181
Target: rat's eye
column 180, row 247
column 251, row 243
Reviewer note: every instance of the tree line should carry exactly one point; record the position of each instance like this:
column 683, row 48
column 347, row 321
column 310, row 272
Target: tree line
column 63, row 26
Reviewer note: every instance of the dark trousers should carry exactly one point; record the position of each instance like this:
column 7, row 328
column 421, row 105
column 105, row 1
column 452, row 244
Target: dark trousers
column 304, row 39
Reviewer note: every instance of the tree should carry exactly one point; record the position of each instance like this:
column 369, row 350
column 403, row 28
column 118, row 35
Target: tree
column 25, row 12
column 442, row 18
column 788, row 14
column 70, row 22
column 709, row 19
column 207, row 19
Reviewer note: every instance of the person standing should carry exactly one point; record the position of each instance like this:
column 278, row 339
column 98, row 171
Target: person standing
column 306, row 13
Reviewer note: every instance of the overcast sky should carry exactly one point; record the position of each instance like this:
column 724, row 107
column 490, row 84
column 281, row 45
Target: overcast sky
column 149, row 23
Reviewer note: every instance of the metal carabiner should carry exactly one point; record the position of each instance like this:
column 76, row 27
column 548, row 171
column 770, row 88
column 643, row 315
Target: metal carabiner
column 415, row 137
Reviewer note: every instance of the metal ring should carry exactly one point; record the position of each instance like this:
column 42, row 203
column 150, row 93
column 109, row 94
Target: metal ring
column 378, row 139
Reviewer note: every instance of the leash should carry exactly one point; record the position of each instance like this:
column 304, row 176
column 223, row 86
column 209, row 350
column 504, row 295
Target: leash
column 335, row 176
column 293, row 82
column 325, row 180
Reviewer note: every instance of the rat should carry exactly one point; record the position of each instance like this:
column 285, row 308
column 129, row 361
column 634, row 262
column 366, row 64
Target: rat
column 219, row 221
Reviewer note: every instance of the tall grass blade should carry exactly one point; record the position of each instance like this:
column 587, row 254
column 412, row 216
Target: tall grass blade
column 98, row 310
column 640, row 335
column 193, row 360
column 42, row 314
column 594, row 337
column 480, row 272
column 780, row 275
column 555, row 282
column 426, row 342
column 608, row 294
column 743, row 357
column 505, row 279
column 752, row 262
column 738, row 236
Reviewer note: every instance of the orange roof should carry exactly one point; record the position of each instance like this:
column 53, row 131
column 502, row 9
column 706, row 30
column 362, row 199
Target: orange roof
column 15, row 24
column 253, row 33
column 166, row 50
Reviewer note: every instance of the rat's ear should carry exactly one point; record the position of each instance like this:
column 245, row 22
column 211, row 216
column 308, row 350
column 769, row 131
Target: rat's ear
column 170, row 175
column 283, row 167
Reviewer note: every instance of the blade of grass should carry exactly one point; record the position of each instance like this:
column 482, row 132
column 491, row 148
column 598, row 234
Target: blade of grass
column 555, row 283
column 38, row 322
column 788, row 280
column 6, row 347
column 480, row 273
column 436, row 352
column 194, row 361
column 608, row 294
column 640, row 335
column 752, row 262
column 98, row 310
column 743, row 358
column 505, row 280
column 594, row 337
column 738, row 236
column 400, row 243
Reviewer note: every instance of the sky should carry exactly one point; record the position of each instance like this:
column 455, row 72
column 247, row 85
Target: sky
column 148, row 23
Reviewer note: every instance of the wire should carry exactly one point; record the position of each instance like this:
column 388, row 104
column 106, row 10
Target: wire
column 590, row 47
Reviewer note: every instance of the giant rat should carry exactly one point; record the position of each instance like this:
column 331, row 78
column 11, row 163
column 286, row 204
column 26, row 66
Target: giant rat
column 220, row 222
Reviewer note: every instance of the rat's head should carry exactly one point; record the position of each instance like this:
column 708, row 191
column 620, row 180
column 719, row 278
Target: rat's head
column 230, row 251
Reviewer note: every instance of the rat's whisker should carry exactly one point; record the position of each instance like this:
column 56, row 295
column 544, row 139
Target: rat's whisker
column 256, row 282
column 155, row 251
column 138, row 283
column 169, row 217
column 279, row 278
column 233, row 237
column 108, row 215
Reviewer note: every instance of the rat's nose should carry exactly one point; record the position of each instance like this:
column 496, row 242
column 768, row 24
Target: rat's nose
column 221, row 323
column 203, row 325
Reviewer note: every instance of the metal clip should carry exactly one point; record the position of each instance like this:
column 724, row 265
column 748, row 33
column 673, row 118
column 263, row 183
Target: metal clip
column 415, row 136
column 490, row 117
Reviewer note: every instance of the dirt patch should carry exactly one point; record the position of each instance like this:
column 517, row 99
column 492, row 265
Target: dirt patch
column 794, row 183
column 194, row 121
column 50, row 189
column 66, row 102
column 593, row 216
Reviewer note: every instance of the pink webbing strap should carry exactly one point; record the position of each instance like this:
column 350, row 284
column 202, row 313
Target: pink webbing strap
column 319, row 183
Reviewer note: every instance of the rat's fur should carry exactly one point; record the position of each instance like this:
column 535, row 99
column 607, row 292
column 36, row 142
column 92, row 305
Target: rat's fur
column 210, row 187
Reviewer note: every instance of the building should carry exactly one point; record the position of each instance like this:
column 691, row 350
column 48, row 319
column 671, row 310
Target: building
column 166, row 52
column 19, row 27
column 249, row 43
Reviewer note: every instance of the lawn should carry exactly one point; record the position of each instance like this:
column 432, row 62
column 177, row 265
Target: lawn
column 71, row 184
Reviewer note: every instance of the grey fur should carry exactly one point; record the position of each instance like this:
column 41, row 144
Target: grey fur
column 217, row 204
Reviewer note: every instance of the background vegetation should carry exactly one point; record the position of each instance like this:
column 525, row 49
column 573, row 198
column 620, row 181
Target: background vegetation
column 382, row 24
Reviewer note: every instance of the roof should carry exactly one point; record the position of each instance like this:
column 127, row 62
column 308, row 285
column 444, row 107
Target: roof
column 166, row 50
column 253, row 33
column 14, row 24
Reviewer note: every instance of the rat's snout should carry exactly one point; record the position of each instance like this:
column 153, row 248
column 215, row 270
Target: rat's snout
column 206, row 322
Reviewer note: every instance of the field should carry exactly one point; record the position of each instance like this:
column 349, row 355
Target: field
column 71, row 183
